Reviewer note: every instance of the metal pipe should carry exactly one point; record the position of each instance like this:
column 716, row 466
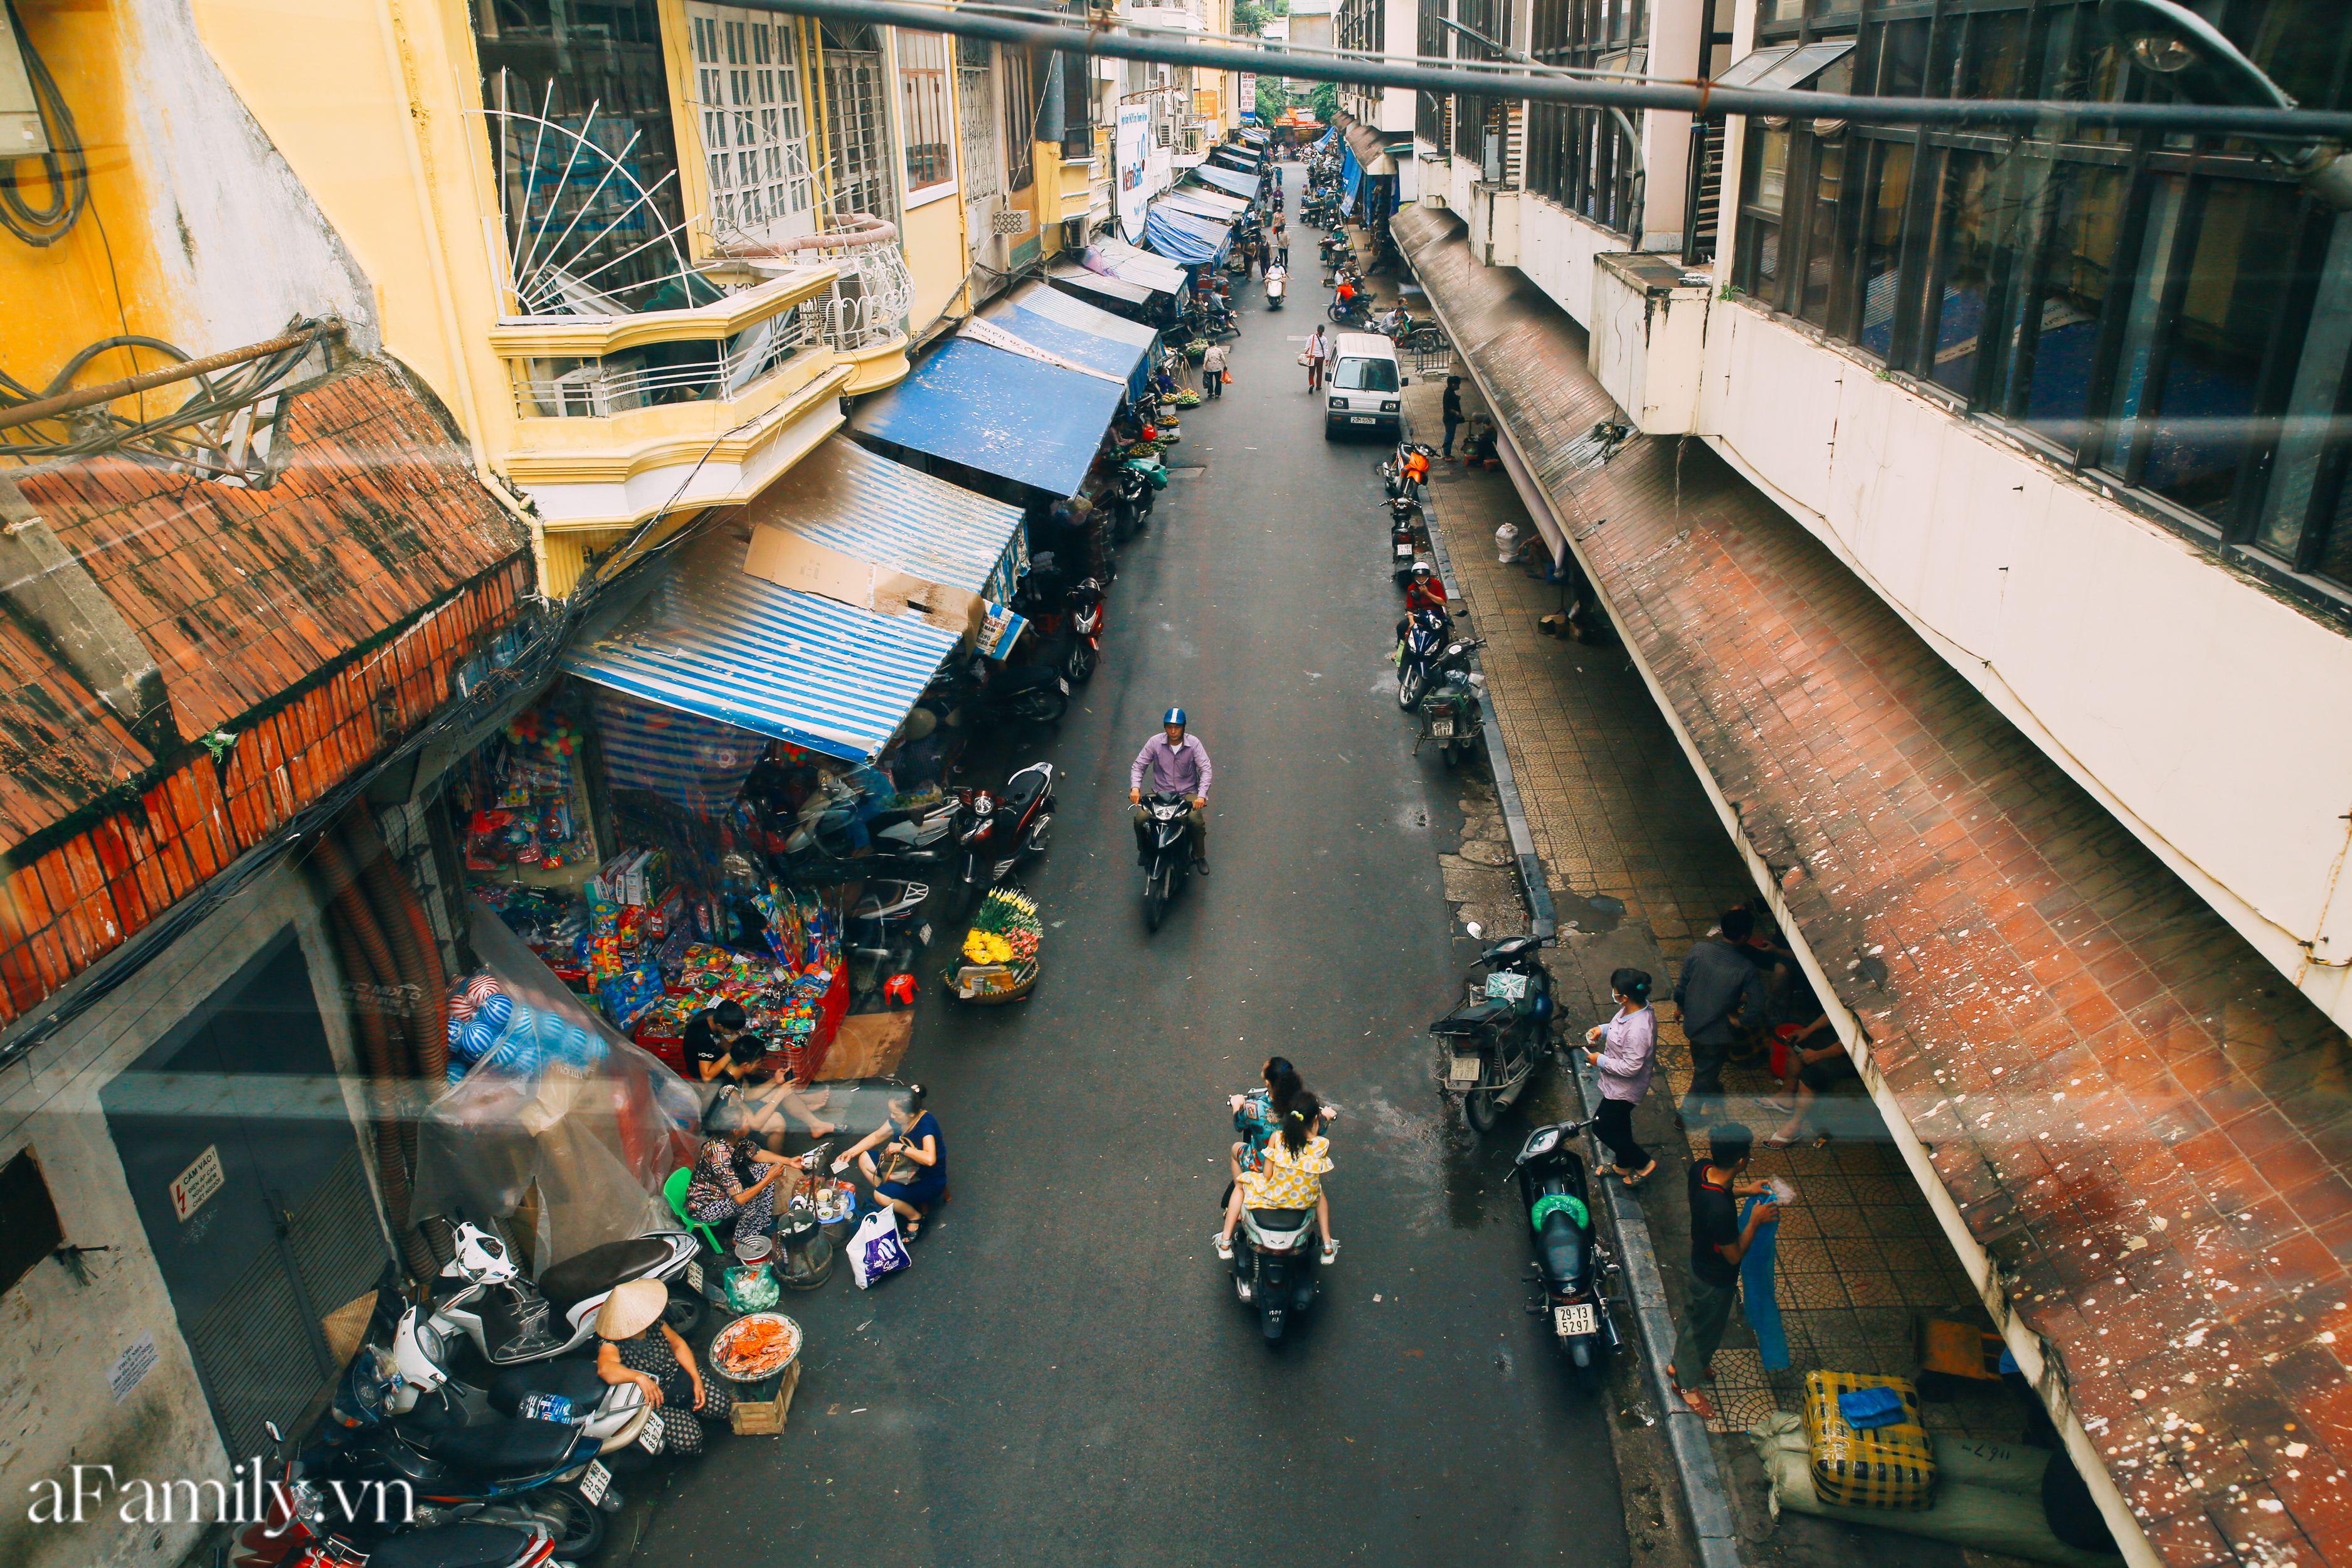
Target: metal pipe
column 1691, row 98
column 42, row 409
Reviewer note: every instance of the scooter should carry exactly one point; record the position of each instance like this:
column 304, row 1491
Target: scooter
column 1452, row 714
column 1397, row 472
column 1427, row 654
column 1490, row 1045
column 304, row 1527
column 884, row 933
column 1404, row 538
column 1273, row 291
column 1131, row 499
column 1000, row 829
column 1167, row 853
column 1571, row 1261
column 1277, row 1254
column 509, row 1319
column 820, row 827
column 1086, row 605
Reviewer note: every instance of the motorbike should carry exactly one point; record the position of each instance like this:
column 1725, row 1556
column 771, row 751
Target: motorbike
column 1490, row 1045
column 1086, row 607
column 1274, row 291
column 1131, row 499
column 484, row 1296
column 1277, row 1258
column 1353, row 314
column 1002, row 828
column 1428, row 655
column 884, row 931
column 1167, row 853
column 821, row 829
column 304, row 1528
column 1396, row 472
column 1452, row 715
column 1405, row 516
column 1571, row 1262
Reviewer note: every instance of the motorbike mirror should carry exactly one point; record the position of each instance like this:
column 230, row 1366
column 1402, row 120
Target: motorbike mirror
column 275, row 1435
column 1475, row 929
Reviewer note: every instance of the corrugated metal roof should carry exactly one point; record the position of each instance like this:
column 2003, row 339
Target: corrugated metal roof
column 1003, row 413
column 1137, row 265
column 1096, row 283
column 1209, row 204
column 863, row 504
column 1226, row 179
column 711, row 639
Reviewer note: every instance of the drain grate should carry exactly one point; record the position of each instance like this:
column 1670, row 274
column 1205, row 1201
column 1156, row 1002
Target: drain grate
column 1195, row 472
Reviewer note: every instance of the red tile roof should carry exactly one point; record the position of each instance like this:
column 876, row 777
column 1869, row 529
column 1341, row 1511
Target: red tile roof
column 320, row 620
column 2142, row 1121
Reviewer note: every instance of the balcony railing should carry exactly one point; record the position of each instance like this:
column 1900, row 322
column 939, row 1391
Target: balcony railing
column 867, row 304
column 599, row 386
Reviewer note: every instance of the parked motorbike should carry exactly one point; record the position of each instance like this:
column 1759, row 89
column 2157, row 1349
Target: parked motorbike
column 1086, row 610
column 1396, row 471
column 484, row 1296
column 1490, row 1045
column 1277, row 1260
column 1167, row 853
column 1572, row 1262
column 1452, row 714
column 1353, row 314
column 1405, row 537
column 1002, row 828
column 1428, row 656
column 885, row 930
column 821, row 830
column 1036, row 692
column 304, row 1528
column 1131, row 500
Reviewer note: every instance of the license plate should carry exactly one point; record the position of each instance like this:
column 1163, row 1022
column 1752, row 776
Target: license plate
column 1404, row 551
column 1568, row 1321
column 694, row 1277
column 1462, row 1070
column 1441, row 728
column 650, row 1438
column 1359, row 419
column 595, row 1481
column 1503, row 985
column 1062, row 684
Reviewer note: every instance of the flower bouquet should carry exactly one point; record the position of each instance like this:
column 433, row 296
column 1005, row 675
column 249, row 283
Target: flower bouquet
column 998, row 961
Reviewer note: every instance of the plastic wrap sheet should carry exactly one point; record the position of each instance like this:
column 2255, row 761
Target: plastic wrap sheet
column 595, row 1142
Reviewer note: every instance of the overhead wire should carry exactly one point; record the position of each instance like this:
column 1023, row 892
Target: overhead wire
column 65, row 167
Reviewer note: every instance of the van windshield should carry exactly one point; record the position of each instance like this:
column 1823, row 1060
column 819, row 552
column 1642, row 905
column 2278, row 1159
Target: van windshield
column 1366, row 375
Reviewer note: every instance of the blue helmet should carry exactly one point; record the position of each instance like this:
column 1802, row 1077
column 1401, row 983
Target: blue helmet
column 1173, row 716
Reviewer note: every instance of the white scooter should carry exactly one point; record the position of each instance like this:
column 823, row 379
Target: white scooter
column 1277, row 280
column 1276, row 1253
column 510, row 1321
column 614, row 1413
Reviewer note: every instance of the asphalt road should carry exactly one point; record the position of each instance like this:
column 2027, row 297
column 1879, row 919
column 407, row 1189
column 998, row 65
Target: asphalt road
column 1064, row 1375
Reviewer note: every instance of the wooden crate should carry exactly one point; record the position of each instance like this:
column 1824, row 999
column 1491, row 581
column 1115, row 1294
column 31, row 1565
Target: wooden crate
column 761, row 1407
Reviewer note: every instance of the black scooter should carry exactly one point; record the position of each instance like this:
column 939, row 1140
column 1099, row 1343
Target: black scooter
column 1572, row 1262
column 1490, row 1045
column 1167, row 853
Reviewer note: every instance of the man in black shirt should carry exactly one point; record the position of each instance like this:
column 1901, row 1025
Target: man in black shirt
column 707, row 1034
column 1452, row 410
column 1719, row 1241
column 1719, row 993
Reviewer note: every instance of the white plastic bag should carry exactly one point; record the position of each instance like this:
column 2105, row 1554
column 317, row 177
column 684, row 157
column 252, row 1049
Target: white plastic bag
column 874, row 1248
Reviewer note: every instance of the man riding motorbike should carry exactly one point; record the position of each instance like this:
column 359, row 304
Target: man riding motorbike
column 1424, row 591
column 1172, row 763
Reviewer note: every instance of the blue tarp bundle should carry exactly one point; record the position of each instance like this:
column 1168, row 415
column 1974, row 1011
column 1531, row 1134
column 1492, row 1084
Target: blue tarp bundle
column 1185, row 236
column 1000, row 412
column 1351, row 176
column 1072, row 330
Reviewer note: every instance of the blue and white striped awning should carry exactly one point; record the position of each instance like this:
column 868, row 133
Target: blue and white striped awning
column 863, row 504
column 711, row 639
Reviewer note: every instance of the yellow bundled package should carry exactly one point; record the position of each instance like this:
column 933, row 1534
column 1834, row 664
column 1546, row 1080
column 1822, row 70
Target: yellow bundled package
column 1889, row 1467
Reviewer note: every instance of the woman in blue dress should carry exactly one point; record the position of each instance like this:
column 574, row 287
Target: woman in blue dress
column 912, row 1175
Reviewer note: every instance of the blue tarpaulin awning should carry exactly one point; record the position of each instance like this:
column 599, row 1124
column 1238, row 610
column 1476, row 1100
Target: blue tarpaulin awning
column 1351, row 174
column 1184, row 236
column 1214, row 205
column 1003, row 413
column 711, row 639
column 862, row 504
column 1072, row 330
column 1224, row 179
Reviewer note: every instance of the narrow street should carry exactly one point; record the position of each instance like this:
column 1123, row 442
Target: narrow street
column 1064, row 1376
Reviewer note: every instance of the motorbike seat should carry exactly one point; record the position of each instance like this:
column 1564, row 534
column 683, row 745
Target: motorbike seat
column 1474, row 1020
column 1279, row 1219
column 573, row 1378
column 1510, row 948
column 1560, row 1245
column 509, row 1450
column 463, row 1545
column 1023, row 788
column 599, row 1269
column 1023, row 676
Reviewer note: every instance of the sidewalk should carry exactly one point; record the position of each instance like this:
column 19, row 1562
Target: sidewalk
column 1618, row 816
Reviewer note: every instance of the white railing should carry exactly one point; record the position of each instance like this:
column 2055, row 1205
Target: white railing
column 600, row 387
column 869, row 302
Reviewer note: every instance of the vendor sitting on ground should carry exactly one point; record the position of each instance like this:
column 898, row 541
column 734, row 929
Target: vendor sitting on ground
column 913, row 1175
column 765, row 1098
column 638, row 1347
column 736, row 1182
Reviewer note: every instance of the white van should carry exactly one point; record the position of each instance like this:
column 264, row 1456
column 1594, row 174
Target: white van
column 1363, row 387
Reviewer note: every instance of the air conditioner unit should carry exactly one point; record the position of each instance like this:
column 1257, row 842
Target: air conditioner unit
column 583, row 394
column 1494, row 224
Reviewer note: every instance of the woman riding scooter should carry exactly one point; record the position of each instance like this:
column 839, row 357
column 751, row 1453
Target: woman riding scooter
column 1278, row 278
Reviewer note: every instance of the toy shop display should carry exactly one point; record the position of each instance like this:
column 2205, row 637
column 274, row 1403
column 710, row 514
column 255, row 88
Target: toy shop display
column 490, row 1027
column 531, row 812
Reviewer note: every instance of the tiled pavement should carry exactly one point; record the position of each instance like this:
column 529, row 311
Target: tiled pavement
column 1616, row 810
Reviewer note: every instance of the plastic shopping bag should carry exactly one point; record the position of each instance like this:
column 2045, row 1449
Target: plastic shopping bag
column 1228, row 375
column 874, row 1248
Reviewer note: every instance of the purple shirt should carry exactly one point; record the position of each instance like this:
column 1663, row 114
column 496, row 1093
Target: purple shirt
column 1182, row 769
column 1628, row 1041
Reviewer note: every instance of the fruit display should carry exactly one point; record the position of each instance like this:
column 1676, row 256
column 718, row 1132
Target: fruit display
column 998, row 961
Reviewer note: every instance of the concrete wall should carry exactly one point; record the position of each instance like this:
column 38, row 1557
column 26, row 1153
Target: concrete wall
column 1557, row 252
column 60, row 1338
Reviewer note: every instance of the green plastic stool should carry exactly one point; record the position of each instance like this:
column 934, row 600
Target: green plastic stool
column 674, row 1190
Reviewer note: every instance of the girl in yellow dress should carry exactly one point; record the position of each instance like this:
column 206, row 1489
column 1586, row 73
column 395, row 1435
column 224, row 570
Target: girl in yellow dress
column 1289, row 1176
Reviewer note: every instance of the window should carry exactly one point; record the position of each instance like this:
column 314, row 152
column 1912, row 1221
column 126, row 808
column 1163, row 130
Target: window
column 857, row 130
column 1365, row 376
column 747, row 90
column 923, row 110
column 1477, row 119
column 30, row 1230
column 1577, row 157
column 1430, row 110
column 983, row 178
column 2172, row 315
column 1020, row 120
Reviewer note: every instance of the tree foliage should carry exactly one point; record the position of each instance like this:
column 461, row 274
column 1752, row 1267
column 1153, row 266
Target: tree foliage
column 1272, row 98
column 1325, row 101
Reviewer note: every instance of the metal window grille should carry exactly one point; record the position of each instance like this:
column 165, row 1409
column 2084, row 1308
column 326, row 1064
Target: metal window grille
column 754, row 129
column 923, row 113
column 858, row 134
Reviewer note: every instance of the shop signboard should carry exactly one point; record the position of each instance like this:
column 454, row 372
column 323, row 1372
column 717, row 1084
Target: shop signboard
column 1133, row 152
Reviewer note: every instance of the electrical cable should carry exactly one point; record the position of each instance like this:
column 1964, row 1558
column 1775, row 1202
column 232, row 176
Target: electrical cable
column 64, row 165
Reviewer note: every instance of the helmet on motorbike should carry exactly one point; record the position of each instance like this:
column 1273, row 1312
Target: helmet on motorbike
column 1173, row 716
column 1424, row 569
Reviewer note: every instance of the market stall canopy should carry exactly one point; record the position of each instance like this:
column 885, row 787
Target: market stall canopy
column 709, row 638
column 1075, row 332
column 1209, row 204
column 1184, row 236
column 1006, row 414
column 863, row 505
column 1102, row 285
column 1240, row 184
column 1257, row 138
column 1130, row 264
